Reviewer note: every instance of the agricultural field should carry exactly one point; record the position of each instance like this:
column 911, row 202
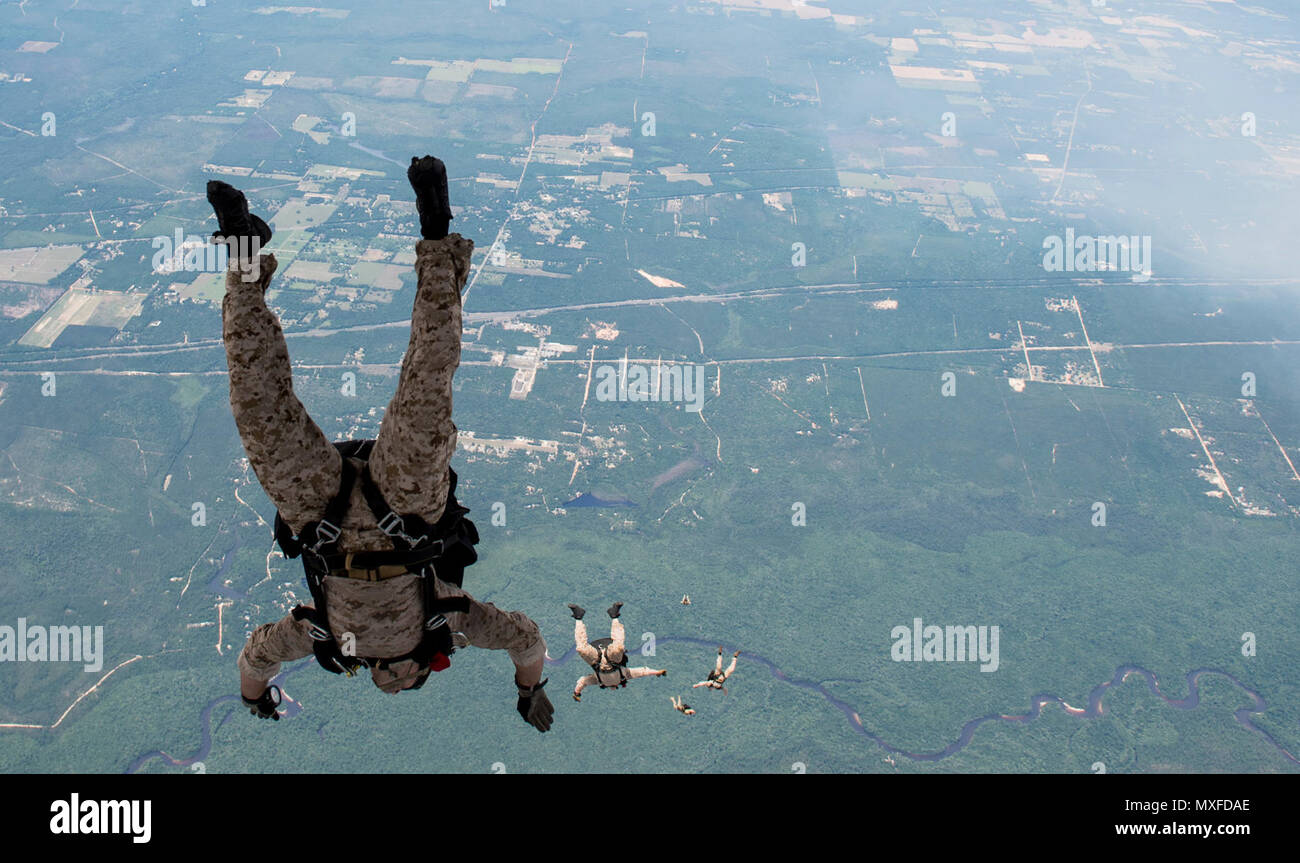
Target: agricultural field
column 763, row 312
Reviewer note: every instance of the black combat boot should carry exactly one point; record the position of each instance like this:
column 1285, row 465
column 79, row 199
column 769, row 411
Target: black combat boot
column 578, row 611
column 245, row 234
column 428, row 178
column 613, row 610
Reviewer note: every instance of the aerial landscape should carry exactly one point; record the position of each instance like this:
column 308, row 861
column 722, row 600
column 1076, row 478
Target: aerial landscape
column 940, row 360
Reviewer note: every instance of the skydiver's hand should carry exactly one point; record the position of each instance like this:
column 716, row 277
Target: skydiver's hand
column 264, row 707
column 534, row 706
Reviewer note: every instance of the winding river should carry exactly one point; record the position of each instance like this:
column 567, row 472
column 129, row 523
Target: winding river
column 290, row 709
column 1243, row 715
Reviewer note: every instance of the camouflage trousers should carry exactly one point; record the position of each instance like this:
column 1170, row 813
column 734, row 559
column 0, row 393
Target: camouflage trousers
column 299, row 467
column 296, row 464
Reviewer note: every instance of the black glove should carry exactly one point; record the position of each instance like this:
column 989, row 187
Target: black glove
column 265, row 706
column 535, row 707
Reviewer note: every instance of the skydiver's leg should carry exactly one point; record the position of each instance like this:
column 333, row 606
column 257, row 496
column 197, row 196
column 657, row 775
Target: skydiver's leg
column 417, row 437
column 296, row 464
column 585, row 650
column 731, row 669
column 616, row 650
column 718, row 665
column 643, row 671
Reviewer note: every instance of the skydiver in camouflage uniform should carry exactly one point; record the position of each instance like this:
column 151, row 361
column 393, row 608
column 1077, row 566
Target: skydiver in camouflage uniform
column 606, row 656
column 300, row 468
column 717, row 677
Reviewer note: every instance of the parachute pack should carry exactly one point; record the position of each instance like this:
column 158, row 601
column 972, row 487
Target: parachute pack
column 442, row 549
column 602, row 646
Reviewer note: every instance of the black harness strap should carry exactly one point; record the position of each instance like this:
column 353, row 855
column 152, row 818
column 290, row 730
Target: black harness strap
column 316, row 535
column 437, row 632
column 436, row 638
column 430, row 559
column 393, row 525
column 323, row 644
column 601, row 644
column 315, row 542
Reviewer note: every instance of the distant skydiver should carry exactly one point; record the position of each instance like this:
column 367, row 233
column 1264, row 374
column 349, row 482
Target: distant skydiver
column 717, row 677
column 606, row 656
column 681, row 706
column 383, row 540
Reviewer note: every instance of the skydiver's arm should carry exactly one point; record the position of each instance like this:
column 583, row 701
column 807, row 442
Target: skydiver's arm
column 268, row 646
column 583, row 683
column 643, row 671
column 701, row 683
column 489, row 627
column 528, row 675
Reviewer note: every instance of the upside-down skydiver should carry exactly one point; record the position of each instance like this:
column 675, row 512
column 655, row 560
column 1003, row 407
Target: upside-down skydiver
column 383, row 540
column 606, row 656
column 717, row 677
